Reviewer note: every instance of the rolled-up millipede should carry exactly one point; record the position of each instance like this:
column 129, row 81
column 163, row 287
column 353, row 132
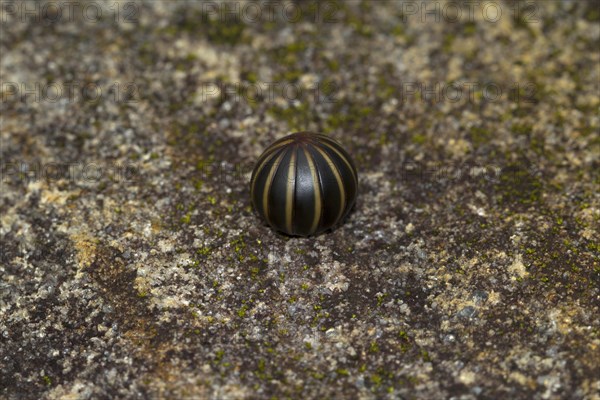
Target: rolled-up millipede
column 304, row 184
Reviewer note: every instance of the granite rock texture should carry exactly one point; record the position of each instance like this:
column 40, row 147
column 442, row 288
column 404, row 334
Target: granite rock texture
column 133, row 266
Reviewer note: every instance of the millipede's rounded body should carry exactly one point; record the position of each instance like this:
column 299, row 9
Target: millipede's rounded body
column 304, row 184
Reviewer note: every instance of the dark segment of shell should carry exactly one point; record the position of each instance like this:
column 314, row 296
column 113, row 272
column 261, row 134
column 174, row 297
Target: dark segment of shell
column 304, row 184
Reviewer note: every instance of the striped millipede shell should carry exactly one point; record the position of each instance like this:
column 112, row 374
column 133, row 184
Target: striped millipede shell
column 304, row 184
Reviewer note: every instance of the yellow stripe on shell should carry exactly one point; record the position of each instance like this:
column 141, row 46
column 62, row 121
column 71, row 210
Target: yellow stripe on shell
column 317, row 191
column 269, row 154
column 325, row 143
column 338, row 178
column 268, row 184
column 289, row 196
column 329, row 146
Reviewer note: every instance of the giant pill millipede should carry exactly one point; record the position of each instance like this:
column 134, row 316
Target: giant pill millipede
column 304, row 184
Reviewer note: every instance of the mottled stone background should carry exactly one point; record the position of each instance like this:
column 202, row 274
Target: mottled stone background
column 132, row 263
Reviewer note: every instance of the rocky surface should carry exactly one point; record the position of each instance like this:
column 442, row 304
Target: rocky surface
column 133, row 266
